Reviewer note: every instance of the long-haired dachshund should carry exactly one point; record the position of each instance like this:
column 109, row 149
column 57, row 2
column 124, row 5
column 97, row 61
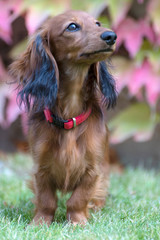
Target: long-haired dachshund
column 65, row 84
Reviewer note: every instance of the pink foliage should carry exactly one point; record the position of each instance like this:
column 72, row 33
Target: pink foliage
column 136, row 75
column 139, row 78
column 12, row 111
column 6, row 17
column 153, row 8
column 131, row 33
column 143, row 136
column 153, row 87
column 143, row 75
column 123, row 77
column 5, row 26
column 7, row 92
column 119, row 16
column 34, row 19
column 133, row 74
column 9, row 114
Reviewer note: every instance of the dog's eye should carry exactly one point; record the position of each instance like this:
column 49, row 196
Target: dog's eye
column 73, row 27
column 98, row 24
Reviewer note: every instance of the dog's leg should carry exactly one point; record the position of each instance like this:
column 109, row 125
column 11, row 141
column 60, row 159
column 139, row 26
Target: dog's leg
column 77, row 205
column 101, row 188
column 46, row 200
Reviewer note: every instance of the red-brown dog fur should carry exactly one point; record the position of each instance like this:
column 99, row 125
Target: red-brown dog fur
column 69, row 160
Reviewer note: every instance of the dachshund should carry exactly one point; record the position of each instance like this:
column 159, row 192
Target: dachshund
column 65, row 85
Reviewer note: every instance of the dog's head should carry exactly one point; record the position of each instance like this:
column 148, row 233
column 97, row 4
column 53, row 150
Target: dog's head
column 78, row 37
column 70, row 38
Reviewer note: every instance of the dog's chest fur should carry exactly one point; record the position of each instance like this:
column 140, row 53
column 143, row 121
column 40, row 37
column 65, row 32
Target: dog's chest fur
column 69, row 163
column 64, row 157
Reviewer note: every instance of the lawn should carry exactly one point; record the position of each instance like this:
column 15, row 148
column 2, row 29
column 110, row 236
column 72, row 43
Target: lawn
column 132, row 209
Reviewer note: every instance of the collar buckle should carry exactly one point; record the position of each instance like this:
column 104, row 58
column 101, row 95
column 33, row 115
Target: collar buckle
column 74, row 122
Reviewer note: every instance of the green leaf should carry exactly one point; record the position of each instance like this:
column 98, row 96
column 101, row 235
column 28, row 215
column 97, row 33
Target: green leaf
column 149, row 51
column 50, row 6
column 85, row 5
column 153, row 11
column 18, row 49
column 134, row 121
column 117, row 7
column 105, row 21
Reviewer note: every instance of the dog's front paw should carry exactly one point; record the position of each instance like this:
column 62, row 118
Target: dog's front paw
column 77, row 217
column 41, row 218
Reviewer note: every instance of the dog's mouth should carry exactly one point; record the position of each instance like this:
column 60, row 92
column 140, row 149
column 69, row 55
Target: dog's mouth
column 108, row 50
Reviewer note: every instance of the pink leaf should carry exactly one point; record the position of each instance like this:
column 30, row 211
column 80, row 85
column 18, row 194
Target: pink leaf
column 153, row 89
column 10, row 113
column 145, row 75
column 139, row 78
column 5, row 27
column 13, row 110
column 16, row 5
column 136, row 77
column 131, row 32
column 152, row 83
column 34, row 19
column 142, row 136
column 140, row 1
column 11, row 5
column 124, row 71
column 120, row 13
column 153, row 8
column 6, row 17
column 147, row 30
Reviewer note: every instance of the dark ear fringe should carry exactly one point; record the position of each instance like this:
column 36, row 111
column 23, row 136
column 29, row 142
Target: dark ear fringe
column 107, row 85
column 90, row 91
column 39, row 86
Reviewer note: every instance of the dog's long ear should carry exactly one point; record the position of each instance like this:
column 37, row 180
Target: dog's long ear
column 106, row 84
column 37, row 74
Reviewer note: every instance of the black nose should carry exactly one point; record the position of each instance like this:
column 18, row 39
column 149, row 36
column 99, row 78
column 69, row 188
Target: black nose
column 109, row 37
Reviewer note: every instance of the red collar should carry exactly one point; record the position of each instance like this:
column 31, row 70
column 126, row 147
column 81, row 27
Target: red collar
column 66, row 124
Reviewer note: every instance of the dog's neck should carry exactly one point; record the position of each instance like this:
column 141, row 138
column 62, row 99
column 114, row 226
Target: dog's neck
column 71, row 90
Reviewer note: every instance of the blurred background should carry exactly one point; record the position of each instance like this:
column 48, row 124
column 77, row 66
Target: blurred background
column 135, row 122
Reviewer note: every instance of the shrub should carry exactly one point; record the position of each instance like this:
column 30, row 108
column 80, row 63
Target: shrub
column 137, row 60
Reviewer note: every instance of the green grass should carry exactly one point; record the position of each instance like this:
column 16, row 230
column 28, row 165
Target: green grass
column 132, row 210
